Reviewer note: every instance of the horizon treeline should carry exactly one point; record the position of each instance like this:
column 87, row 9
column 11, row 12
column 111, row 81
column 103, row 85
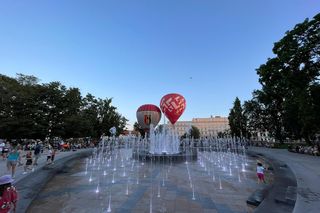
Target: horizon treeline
column 31, row 110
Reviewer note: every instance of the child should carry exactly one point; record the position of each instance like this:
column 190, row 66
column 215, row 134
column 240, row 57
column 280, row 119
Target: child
column 28, row 162
column 260, row 173
column 8, row 195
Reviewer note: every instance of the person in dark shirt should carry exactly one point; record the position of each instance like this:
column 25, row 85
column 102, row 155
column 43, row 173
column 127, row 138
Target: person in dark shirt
column 37, row 152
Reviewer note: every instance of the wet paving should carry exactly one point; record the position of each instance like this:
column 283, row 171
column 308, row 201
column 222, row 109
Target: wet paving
column 216, row 182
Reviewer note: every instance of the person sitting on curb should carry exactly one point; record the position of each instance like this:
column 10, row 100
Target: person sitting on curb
column 8, row 195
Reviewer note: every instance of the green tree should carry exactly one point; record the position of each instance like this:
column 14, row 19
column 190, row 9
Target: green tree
column 139, row 129
column 18, row 109
column 109, row 117
column 27, row 79
column 289, row 83
column 53, row 108
column 73, row 122
column 299, row 53
column 194, row 133
column 237, row 120
column 32, row 110
column 254, row 113
column 90, row 115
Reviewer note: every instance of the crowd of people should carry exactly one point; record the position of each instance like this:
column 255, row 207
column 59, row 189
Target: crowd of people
column 292, row 147
column 26, row 153
column 310, row 150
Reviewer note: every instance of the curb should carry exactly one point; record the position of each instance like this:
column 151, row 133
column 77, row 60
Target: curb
column 281, row 196
column 30, row 185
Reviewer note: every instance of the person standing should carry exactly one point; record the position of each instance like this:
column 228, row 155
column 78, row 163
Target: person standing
column 5, row 150
column 49, row 155
column 12, row 160
column 53, row 154
column 8, row 195
column 37, row 151
column 2, row 144
column 260, row 173
column 19, row 149
column 28, row 162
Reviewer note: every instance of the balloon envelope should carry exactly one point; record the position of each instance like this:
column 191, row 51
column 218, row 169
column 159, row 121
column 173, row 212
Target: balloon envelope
column 148, row 114
column 173, row 105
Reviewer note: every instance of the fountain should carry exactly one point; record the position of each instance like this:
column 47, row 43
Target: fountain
column 167, row 166
column 160, row 171
column 149, row 173
column 165, row 145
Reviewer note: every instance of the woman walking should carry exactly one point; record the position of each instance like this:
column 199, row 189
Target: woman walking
column 12, row 160
column 28, row 162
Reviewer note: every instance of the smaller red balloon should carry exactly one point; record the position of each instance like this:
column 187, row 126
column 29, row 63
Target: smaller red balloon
column 148, row 114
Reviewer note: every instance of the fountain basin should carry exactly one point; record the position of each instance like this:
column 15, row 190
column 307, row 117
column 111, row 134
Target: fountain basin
column 184, row 156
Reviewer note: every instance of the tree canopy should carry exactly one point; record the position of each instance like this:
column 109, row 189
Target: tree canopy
column 288, row 104
column 194, row 133
column 237, row 120
column 29, row 109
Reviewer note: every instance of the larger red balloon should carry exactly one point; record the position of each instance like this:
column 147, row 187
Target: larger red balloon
column 173, row 105
column 148, row 114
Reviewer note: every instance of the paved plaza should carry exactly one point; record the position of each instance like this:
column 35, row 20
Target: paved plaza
column 135, row 186
column 41, row 163
column 307, row 172
column 30, row 184
column 71, row 191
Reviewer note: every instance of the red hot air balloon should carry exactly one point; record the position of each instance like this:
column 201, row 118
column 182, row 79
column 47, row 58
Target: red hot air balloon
column 148, row 114
column 173, row 105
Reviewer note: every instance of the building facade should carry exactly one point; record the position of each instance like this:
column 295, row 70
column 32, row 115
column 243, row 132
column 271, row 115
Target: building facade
column 208, row 126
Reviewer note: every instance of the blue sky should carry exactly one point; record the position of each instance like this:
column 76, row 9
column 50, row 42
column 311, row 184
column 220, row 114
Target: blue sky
column 136, row 51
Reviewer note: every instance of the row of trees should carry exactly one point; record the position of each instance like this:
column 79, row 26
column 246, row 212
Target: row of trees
column 288, row 104
column 29, row 109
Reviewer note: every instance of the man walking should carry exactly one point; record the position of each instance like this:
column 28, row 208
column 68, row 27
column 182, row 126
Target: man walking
column 37, row 151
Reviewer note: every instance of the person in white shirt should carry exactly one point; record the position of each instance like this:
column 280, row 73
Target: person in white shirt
column 260, row 173
column 2, row 144
column 49, row 155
